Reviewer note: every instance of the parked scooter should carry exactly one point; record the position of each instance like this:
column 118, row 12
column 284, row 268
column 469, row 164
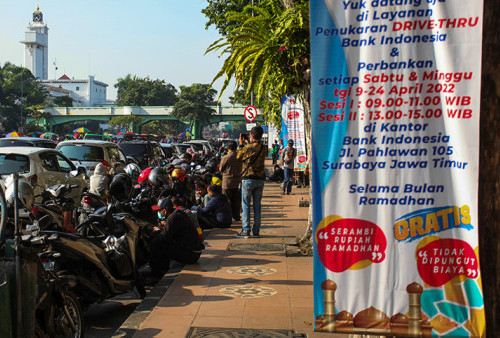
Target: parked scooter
column 102, row 255
column 41, row 303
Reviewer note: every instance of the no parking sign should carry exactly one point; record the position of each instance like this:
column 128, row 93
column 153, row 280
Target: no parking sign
column 250, row 113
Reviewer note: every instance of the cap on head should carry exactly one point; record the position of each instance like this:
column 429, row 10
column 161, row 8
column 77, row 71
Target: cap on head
column 290, row 142
column 166, row 204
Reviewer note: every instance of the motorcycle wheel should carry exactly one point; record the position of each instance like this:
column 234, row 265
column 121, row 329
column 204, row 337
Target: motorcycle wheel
column 70, row 307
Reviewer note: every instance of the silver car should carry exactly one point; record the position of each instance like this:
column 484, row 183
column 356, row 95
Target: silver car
column 43, row 168
column 88, row 153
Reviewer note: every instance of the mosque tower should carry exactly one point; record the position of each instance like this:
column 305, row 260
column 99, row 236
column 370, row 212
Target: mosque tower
column 36, row 42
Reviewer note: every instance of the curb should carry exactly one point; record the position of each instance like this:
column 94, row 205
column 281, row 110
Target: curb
column 132, row 324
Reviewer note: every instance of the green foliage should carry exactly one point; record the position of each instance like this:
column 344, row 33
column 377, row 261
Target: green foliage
column 268, row 52
column 63, row 101
column 163, row 127
column 216, row 13
column 18, row 90
column 194, row 103
column 130, row 123
column 135, row 91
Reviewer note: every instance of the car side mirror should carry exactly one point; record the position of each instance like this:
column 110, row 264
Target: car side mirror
column 78, row 171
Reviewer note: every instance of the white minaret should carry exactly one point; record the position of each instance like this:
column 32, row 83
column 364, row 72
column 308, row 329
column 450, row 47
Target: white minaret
column 36, row 43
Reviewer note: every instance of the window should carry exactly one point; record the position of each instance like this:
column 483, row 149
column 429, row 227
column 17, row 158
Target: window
column 82, row 152
column 64, row 165
column 48, row 161
column 116, row 155
column 13, row 163
column 77, row 88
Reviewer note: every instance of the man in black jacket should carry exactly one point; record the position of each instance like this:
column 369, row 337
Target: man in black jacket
column 176, row 238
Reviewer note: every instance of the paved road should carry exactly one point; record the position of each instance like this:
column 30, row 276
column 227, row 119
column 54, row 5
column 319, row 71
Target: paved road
column 103, row 320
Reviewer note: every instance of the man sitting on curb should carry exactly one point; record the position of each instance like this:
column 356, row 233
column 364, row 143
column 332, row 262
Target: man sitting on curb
column 217, row 212
column 176, row 238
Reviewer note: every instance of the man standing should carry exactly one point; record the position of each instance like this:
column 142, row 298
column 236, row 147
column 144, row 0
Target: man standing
column 253, row 175
column 230, row 167
column 288, row 160
column 275, row 151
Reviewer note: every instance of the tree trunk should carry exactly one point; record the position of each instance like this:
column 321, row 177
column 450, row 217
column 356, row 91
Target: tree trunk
column 489, row 166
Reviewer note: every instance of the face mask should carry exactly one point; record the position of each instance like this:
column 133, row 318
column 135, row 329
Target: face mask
column 160, row 216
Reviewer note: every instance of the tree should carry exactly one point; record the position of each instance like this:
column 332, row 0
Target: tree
column 268, row 53
column 269, row 48
column 194, row 103
column 20, row 93
column 63, row 101
column 163, row 127
column 135, row 91
column 216, row 13
column 130, row 123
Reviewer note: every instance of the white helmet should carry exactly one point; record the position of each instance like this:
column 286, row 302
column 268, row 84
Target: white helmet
column 133, row 170
column 25, row 192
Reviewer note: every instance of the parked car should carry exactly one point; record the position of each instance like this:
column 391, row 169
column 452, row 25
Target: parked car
column 27, row 142
column 182, row 147
column 169, row 149
column 88, row 153
column 202, row 146
column 43, row 168
column 145, row 152
column 99, row 137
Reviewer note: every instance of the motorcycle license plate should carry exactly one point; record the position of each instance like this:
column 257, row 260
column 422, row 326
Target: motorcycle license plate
column 49, row 265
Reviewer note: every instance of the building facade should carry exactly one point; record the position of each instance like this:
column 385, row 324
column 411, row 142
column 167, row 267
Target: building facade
column 84, row 92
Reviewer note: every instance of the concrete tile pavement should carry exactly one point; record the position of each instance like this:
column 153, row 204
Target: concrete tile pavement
column 244, row 283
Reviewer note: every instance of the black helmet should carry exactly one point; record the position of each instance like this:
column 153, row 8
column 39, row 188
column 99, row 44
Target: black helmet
column 158, row 177
column 121, row 187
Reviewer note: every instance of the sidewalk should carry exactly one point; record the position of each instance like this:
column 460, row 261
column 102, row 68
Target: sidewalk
column 244, row 283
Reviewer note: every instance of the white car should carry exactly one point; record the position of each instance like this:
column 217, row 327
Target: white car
column 43, row 168
column 88, row 153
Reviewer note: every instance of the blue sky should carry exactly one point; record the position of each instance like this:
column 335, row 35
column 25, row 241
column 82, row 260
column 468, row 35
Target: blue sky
column 162, row 39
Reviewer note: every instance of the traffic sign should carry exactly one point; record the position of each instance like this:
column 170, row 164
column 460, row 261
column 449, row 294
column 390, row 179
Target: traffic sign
column 250, row 113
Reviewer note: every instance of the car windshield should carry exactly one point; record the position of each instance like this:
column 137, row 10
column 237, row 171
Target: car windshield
column 136, row 150
column 15, row 143
column 197, row 146
column 94, row 137
column 14, row 163
column 169, row 151
column 81, row 152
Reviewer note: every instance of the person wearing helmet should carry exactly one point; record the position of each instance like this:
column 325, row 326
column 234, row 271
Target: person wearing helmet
column 99, row 181
column 143, row 177
column 184, row 163
column 121, row 187
column 217, row 212
column 158, row 177
column 133, row 170
column 176, row 237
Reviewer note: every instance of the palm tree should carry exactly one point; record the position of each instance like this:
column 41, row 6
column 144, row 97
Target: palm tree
column 268, row 53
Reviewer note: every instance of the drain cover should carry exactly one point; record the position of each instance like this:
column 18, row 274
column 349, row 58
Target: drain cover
column 212, row 332
column 255, row 247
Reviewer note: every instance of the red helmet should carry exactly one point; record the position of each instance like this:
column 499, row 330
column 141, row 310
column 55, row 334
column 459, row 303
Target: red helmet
column 144, row 175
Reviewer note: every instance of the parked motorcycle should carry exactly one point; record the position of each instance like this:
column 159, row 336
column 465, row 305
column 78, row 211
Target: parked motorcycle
column 102, row 256
column 36, row 302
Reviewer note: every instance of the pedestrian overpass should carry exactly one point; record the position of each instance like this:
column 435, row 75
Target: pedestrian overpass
column 61, row 115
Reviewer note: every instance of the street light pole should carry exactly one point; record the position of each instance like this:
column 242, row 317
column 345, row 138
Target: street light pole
column 22, row 103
